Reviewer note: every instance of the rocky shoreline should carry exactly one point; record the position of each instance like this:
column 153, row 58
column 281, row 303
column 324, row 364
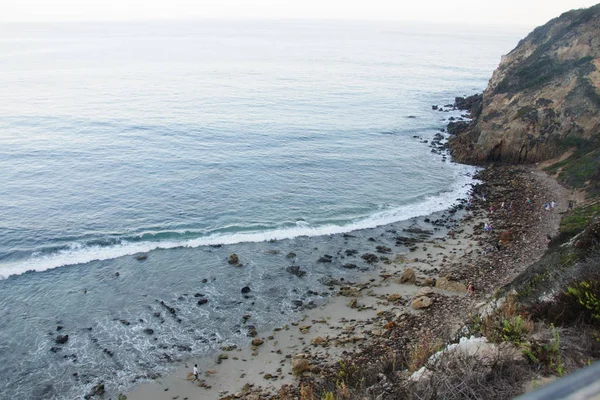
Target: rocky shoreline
column 417, row 294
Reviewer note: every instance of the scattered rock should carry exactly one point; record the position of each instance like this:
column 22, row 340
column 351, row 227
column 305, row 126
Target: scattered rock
column 62, row 339
column 291, row 255
column 394, row 297
column 451, row 286
column 148, row 331
column 257, row 342
column 246, row 289
column 141, row 257
column 325, row 259
column 295, row 270
column 370, row 258
column 299, row 366
column 233, row 259
column 421, row 302
column 408, row 276
column 428, row 282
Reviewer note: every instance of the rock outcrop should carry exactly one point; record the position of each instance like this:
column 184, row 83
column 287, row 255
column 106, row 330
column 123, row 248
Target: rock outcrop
column 543, row 99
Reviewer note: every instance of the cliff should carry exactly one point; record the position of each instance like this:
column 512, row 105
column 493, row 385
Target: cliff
column 543, row 99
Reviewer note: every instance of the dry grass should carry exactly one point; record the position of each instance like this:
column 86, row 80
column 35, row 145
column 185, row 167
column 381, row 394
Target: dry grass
column 460, row 376
column 420, row 352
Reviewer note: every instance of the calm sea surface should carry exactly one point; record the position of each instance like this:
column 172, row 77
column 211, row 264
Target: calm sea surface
column 191, row 141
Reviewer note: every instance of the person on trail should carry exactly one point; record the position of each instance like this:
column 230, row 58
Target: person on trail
column 552, row 204
column 196, row 372
column 548, row 239
column 470, row 289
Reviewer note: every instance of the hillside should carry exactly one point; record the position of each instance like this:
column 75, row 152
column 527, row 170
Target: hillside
column 544, row 98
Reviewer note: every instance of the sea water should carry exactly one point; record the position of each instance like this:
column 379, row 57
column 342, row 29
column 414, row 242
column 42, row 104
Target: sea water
column 189, row 141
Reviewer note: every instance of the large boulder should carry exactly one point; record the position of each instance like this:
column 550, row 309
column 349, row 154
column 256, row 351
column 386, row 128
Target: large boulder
column 421, row 302
column 299, row 366
column 234, row 260
column 450, row 286
column 408, row 276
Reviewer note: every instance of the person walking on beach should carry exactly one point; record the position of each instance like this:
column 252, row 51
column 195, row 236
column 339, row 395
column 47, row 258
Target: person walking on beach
column 196, row 372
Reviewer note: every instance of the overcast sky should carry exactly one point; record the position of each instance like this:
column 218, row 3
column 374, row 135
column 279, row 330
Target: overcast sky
column 527, row 13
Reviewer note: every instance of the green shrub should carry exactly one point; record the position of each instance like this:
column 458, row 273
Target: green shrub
column 587, row 294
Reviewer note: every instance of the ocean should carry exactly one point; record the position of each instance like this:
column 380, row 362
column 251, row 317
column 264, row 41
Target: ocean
column 189, row 141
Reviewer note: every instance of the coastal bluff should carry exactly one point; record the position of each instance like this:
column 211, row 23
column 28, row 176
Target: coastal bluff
column 544, row 97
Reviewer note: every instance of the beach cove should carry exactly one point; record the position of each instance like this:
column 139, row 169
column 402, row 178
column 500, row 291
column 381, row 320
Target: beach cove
column 376, row 313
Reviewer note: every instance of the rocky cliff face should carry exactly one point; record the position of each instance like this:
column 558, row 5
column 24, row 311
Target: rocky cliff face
column 544, row 97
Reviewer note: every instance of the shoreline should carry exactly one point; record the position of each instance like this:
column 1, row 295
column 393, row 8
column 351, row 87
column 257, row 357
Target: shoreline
column 377, row 308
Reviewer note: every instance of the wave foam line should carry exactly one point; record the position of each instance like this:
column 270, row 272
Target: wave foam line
column 80, row 254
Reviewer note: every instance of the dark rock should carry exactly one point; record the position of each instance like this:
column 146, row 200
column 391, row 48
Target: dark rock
column 245, row 289
column 325, row 259
column 59, row 328
column 252, row 332
column 97, row 390
column 198, row 295
column 455, row 128
column 418, row 231
column 383, row 249
column 295, row 270
column 351, row 252
column 148, row 331
column 141, row 257
column 62, row 339
column 291, row 255
column 370, row 258
column 55, row 349
column 204, row 280
column 297, row 303
column 329, row 281
column 202, row 301
column 125, row 322
column 117, row 274
column 183, row 347
column 472, row 104
column 169, row 308
column 347, row 235
column 108, row 352
column 233, row 259
column 350, row 266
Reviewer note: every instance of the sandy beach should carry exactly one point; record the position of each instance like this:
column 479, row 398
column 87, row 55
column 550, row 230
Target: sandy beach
column 423, row 291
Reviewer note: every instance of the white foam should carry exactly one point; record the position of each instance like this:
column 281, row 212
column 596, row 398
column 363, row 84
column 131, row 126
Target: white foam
column 78, row 253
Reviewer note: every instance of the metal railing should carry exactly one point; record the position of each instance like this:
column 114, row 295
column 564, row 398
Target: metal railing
column 580, row 385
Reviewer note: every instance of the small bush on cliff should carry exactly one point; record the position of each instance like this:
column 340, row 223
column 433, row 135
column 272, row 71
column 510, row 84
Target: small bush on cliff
column 421, row 351
column 587, row 294
column 579, row 219
column 546, row 355
column 506, row 323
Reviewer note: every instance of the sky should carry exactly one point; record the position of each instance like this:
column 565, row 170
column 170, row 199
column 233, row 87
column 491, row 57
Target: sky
column 526, row 13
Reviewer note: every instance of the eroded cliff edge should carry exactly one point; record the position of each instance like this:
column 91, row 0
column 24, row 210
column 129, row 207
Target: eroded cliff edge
column 543, row 99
